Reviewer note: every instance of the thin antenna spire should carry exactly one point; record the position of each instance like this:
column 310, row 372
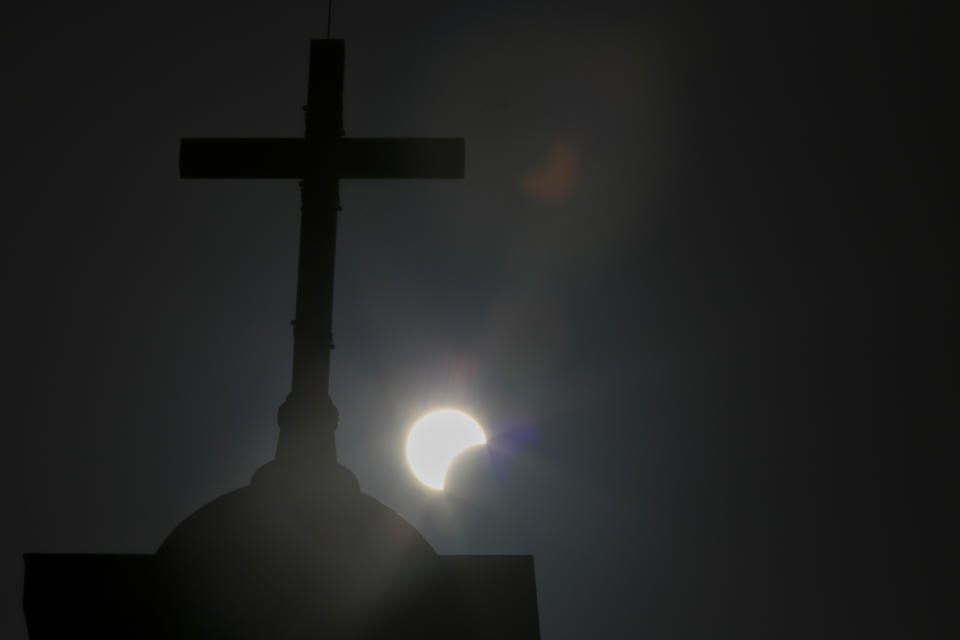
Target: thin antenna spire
column 329, row 16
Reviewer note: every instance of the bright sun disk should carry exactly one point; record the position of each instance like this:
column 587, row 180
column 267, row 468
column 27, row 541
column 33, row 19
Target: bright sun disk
column 436, row 440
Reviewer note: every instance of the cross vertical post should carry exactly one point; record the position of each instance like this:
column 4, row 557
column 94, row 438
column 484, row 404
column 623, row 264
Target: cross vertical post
column 308, row 417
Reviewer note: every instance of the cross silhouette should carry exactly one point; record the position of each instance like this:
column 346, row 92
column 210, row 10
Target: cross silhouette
column 319, row 160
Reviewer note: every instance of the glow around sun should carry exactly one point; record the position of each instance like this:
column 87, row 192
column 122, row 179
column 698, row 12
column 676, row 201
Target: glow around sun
column 436, row 440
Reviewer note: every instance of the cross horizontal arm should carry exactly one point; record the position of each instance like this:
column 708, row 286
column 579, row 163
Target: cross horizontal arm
column 352, row 158
column 241, row 158
column 400, row 157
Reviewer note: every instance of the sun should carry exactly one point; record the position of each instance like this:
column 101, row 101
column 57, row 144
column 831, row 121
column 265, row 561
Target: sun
column 436, row 439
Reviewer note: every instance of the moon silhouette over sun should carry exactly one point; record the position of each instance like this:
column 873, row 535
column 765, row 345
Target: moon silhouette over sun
column 436, row 440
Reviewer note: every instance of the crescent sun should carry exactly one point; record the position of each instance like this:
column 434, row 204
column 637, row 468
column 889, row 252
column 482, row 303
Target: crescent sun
column 436, row 439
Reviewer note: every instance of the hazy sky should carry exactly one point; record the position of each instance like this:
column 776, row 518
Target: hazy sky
column 694, row 285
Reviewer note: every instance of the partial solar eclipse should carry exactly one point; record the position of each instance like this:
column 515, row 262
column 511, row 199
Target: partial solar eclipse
column 436, row 440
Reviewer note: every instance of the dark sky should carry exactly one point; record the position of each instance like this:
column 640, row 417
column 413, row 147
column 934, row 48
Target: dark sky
column 694, row 285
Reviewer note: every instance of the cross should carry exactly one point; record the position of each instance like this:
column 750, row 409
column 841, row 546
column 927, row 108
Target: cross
column 308, row 418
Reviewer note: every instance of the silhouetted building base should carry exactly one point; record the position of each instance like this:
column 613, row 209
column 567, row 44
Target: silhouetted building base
column 116, row 596
column 300, row 552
